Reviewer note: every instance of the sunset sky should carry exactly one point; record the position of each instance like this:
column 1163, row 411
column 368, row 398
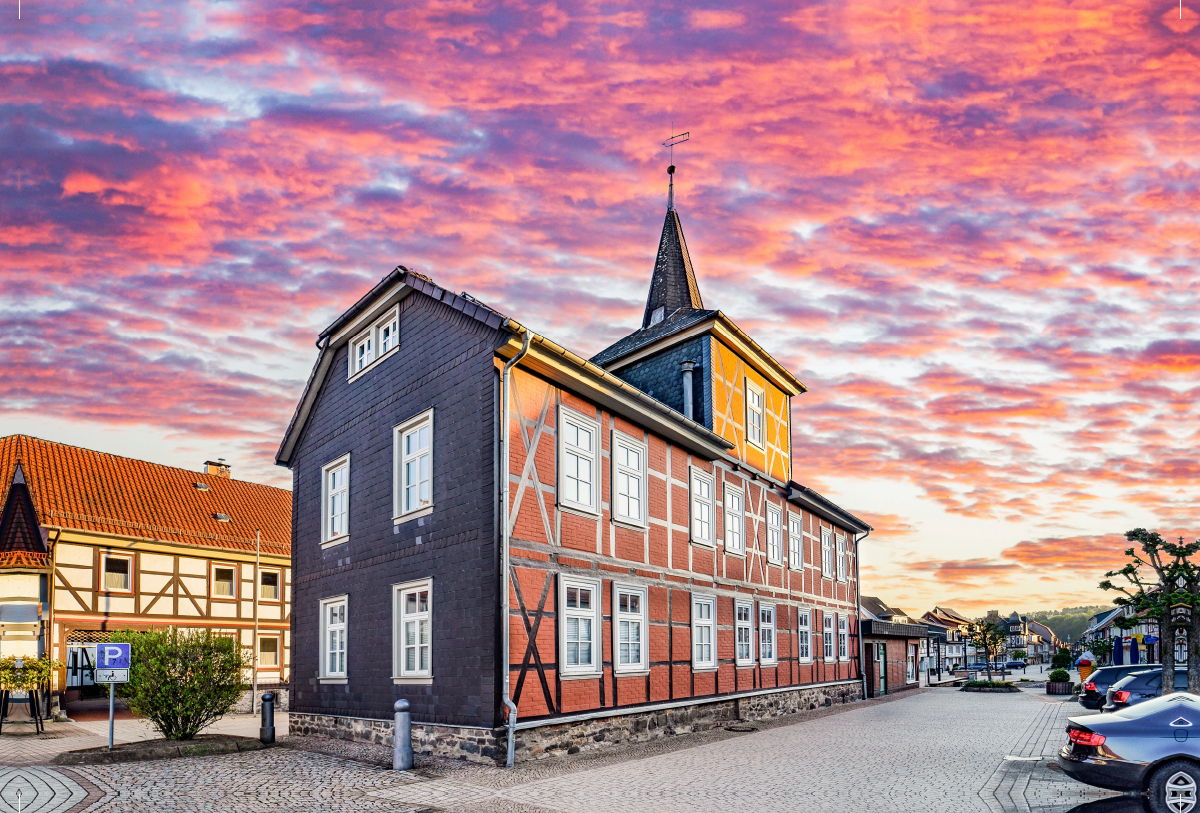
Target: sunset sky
column 969, row 227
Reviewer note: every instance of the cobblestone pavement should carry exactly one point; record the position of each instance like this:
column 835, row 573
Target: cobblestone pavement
column 930, row 751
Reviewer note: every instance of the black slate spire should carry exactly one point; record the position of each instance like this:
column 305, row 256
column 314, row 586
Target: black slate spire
column 673, row 286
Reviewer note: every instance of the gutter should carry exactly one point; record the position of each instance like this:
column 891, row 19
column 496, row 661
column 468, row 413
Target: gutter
column 506, row 697
column 862, row 647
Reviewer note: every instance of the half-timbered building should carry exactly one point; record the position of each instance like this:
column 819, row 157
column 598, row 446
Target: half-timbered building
column 541, row 551
column 93, row 542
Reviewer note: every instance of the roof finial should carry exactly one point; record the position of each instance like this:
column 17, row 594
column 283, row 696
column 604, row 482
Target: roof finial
column 671, row 142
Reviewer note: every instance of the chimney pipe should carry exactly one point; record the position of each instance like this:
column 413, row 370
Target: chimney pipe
column 688, row 366
column 218, row 467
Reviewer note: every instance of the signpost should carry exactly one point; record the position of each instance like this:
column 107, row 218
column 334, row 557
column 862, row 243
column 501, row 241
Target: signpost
column 112, row 667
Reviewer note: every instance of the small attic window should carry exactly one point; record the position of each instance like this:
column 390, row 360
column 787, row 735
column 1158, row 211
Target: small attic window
column 658, row 315
column 221, row 517
column 201, row 486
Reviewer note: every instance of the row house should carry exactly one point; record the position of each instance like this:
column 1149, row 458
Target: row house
column 540, row 551
column 954, row 649
column 894, row 644
column 1137, row 644
column 93, row 542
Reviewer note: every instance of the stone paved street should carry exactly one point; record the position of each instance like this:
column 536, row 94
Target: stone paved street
column 931, row 751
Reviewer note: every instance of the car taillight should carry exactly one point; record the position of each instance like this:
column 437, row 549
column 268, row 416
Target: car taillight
column 1121, row 697
column 1089, row 686
column 1086, row 737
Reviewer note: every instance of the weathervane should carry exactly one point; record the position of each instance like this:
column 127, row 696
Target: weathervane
column 671, row 142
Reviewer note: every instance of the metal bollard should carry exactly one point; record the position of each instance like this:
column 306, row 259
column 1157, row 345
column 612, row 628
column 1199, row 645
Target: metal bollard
column 266, row 734
column 402, row 751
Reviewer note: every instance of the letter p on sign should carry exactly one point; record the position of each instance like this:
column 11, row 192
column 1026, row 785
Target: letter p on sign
column 112, row 656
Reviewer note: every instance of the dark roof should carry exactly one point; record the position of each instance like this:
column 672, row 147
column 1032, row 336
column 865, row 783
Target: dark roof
column 876, row 607
column 22, row 541
column 673, row 286
column 674, row 323
column 824, row 507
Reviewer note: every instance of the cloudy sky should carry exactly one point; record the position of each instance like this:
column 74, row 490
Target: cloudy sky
column 969, row 227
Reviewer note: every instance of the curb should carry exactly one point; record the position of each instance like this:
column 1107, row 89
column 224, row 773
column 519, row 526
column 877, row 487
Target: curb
column 162, row 750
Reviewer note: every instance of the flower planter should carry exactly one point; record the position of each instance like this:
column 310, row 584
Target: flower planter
column 1059, row 687
column 989, row 689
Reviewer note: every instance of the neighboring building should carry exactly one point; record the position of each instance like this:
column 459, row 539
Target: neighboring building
column 92, row 542
column 664, row 562
column 892, row 642
column 1139, row 644
column 1043, row 643
column 953, row 646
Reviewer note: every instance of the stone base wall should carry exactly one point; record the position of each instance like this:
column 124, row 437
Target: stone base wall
column 482, row 745
column 281, row 700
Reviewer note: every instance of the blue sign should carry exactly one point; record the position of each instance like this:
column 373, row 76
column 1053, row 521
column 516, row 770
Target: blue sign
column 112, row 656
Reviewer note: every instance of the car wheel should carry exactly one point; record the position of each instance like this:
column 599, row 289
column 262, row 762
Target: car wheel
column 1175, row 788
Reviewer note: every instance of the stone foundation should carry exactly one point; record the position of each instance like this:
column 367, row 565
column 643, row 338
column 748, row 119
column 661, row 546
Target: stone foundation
column 554, row 739
column 281, row 700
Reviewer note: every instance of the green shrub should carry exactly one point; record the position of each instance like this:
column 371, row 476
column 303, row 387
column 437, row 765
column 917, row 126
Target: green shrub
column 988, row 684
column 182, row 680
column 1061, row 659
column 1059, row 676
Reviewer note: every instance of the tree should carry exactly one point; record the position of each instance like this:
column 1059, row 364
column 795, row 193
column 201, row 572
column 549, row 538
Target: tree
column 1160, row 577
column 1061, row 660
column 1020, row 655
column 988, row 638
column 1102, row 648
column 182, row 680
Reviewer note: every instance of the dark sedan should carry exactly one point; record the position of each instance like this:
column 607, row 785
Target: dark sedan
column 1140, row 687
column 1148, row 747
column 1092, row 692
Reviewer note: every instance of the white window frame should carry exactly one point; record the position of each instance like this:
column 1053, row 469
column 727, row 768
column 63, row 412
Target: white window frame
column 826, row 553
column 570, row 416
column 735, row 519
column 373, row 338
column 278, row 573
column 774, row 535
column 743, row 625
column 327, row 537
column 595, row 668
column 768, row 655
column 342, row 627
column 804, row 636
column 399, row 619
column 278, row 639
column 710, row 624
column 827, row 632
column 910, row 663
column 640, row 618
column 761, row 412
column 620, row 475
column 842, row 569
column 843, row 638
column 212, row 581
column 104, row 557
column 795, row 531
column 399, row 465
column 696, row 501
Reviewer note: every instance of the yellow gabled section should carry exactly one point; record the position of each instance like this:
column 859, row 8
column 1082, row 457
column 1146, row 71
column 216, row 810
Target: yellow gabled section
column 731, row 376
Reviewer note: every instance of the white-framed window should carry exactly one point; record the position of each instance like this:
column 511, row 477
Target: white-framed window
column 910, row 671
column 374, row 343
column 118, row 573
column 335, row 501
column 826, row 553
column 804, row 635
column 735, row 520
column 843, row 638
column 743, row 614
column 333, row 637
column 702, row 507
column 580, row 603
column 223, row 581
column 795, row 542
column 774, row 535
column 412, row 615
column 766, row 633
column 579, row 456
column 704, row 632
column 841, row 558
column 827, row 634
column 629, row 479
column 629, row 629
column 412, row 451
column 270, row 585
column 756, row 426
column 268, row 652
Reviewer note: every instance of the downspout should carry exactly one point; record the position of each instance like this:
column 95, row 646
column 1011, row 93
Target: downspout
column 862, row 647
column 504, row 539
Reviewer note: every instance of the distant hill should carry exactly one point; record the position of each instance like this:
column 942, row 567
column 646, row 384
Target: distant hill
column 1069, row 622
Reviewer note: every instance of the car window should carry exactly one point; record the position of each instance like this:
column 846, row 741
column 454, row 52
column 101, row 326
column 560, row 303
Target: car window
column 1154, row 682
column 1180, row 680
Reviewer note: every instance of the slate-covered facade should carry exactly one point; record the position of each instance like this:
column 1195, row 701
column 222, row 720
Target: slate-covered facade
column 648, row 561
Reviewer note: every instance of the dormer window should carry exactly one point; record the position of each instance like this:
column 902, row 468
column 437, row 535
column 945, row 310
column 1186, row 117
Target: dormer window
column 658, row 315
column 375, row 343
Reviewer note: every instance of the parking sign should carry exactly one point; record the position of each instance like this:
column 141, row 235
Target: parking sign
column 112, row 663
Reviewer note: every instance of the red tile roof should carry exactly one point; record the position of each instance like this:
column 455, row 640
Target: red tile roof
column 24, row 558
column 92, row 491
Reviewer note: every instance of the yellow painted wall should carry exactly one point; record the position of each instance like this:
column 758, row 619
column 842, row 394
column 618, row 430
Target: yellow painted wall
column 729, row 374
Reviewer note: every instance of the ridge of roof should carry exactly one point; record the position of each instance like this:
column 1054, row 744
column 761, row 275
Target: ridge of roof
column 819, row 501
column 676, row 321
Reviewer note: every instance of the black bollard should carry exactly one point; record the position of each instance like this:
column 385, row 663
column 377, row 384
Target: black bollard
column 266, row 734
column 402, row 752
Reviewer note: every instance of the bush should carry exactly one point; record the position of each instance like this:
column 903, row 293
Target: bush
column 988, row 684
column 182, row 680
column 1061, row 659
column 1059, row 676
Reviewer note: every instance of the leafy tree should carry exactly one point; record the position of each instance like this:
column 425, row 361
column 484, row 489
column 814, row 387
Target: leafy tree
column 1061, row 660
column 1159, row 577
column 989, row 638
column 1102, row 648
column 182, row 680
column 1070, row 622
column 1020, row 655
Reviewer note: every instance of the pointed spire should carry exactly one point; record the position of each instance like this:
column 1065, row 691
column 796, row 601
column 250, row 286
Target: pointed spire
column 673, row 286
